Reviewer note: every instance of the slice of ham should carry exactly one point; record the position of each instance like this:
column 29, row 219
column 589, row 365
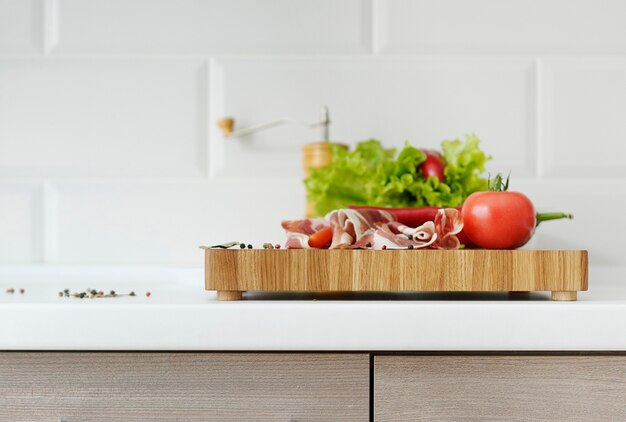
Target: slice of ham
column 377, row 229
column 448, row 223
column 297, row 241
column 349, row 226
column 306, row 226
column 298, row 231
column 385, row 236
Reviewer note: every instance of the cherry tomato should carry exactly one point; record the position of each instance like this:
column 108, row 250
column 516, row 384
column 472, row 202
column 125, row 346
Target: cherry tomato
column 321, row 239
column 433, row 166
column 498, row 220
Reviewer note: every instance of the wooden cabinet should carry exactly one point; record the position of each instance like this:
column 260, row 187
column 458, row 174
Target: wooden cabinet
column 44, row 386
column 448, row 388
column 183, row 386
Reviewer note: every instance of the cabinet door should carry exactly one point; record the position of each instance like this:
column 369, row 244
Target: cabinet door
column 70, row 387
column 499, row 388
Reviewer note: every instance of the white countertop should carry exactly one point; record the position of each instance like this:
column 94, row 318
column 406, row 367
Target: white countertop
column 181, row 315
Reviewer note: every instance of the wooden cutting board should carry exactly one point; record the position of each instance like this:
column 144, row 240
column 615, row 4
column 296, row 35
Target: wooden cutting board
column 233, row 271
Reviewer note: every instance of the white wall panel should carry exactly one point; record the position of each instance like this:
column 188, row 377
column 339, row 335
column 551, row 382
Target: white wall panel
column 421, row 100
column 102, row 117
column 585, row 117
column 20, row 26
column 597, row 224
column 164, row 222
column 444, row 26
column 120, row 109
column 213, row 26
column 20, row 223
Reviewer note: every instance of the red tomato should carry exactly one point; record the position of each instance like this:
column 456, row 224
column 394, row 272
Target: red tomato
column 498, row 220
column 321, row 239
column 433, row 166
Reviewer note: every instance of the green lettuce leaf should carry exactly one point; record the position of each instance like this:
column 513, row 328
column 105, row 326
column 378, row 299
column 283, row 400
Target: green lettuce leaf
column 465, row 163
column 373, row 175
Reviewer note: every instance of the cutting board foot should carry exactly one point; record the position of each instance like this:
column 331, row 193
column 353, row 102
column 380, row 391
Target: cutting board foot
column 229, row 295
column 564, row 296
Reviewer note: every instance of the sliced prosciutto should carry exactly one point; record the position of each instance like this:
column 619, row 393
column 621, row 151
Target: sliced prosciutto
column 349, row 226
column 298, row 231
column 448, row 223
column 377, row 229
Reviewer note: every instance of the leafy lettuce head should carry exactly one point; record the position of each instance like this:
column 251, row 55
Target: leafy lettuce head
column 373, row 175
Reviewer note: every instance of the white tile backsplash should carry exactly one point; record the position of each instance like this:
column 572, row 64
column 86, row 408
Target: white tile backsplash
column 213, row 26
column 423, row 101
column 102, row 117
column 20, row 26
column 20, row 223
column 497, row 26
column 596, row 225
column 109, row 152
column 164, row 222
column 161, row 222
column 585, row 118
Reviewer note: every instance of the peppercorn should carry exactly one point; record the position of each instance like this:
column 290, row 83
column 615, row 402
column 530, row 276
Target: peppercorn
column 368, row 245
column 131, row 294
column 82, row 295
column 60, row 294
column 242, row 245
column 10, row 290
column 410, row 246
column 249, row 246
column 112, row 292
column 22, row 291
column 148, row 294
column 410, row 236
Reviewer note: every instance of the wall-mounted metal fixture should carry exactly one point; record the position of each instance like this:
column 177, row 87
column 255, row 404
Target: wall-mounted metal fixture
column 227, row 125
column 315, row 155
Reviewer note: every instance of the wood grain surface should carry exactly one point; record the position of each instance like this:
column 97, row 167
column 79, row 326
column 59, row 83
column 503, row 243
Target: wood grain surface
column 395, row 270
column 499, row 388
column 43, row 386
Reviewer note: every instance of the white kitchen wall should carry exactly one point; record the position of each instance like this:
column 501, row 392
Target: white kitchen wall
column 97, row 117
column 21, row 28
column 424, row 100
column 109, row 152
